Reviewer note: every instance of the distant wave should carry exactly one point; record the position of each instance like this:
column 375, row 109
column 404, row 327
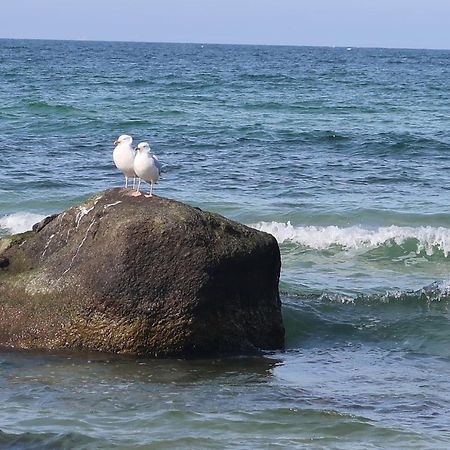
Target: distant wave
column 48, row 107
column 419, row 239
column 19, row 222
column 435, row 292
column 402, row 317
column 274, row 77
column 439, row 291
column 28, row 440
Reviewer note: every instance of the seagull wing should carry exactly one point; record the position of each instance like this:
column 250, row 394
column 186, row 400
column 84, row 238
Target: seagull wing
column 157, row 164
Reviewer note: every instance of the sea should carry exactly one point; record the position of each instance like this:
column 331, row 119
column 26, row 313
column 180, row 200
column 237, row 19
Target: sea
column 343, row 154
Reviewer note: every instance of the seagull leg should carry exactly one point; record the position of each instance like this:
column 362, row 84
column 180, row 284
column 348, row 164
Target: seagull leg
column 126, row 182
column 137, row 193
column 134, row 182
column 151, row 190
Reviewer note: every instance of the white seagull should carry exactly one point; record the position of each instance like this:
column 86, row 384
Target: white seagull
column 123, row 156
column 146, row 166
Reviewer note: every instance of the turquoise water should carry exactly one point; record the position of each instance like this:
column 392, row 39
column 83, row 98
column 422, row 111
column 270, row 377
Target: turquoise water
column 344, row 155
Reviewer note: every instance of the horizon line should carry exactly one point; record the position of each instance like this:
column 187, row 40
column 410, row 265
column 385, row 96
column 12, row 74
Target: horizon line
column 220, row 43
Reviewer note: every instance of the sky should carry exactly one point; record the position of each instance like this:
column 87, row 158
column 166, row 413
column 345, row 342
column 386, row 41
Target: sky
column 356, row 23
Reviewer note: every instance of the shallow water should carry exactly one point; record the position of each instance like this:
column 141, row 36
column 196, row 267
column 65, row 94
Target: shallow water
column 343, row 155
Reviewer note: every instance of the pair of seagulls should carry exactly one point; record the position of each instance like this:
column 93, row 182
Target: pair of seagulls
column 136, row 162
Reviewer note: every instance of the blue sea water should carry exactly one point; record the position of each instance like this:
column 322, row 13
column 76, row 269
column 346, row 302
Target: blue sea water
column 342, row 154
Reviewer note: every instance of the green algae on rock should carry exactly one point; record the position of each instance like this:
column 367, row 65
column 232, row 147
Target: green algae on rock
column 140, row 276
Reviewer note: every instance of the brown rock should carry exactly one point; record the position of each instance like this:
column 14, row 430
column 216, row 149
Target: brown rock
column 141, row 276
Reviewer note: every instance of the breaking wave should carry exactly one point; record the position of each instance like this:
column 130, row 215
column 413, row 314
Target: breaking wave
column 409, row 320
column 19, row 222
column 423, row 239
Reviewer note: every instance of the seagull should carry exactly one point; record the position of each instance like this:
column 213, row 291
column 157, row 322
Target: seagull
column 123, row 156
column 146, row 166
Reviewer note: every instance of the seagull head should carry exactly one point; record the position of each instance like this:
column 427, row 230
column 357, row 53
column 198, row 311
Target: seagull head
column 123, row 139
column 143, row 147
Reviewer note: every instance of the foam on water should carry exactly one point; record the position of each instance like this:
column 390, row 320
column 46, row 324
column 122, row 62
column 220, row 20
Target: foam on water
column 427, row 239
column 444, row 287
column 19, row 222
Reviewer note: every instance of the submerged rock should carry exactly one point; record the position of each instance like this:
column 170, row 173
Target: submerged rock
column 140, row 276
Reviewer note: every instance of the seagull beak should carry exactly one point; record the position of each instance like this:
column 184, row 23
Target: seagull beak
column 116, row 142
column 136, row 149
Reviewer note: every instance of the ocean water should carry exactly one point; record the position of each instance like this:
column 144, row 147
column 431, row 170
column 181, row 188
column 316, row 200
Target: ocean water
column 342, row 154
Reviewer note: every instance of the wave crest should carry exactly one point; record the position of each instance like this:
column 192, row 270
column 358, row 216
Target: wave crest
column 425, row 238
column 19, row 222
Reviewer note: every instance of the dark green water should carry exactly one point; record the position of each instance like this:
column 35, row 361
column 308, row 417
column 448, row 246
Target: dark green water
column 344, row 155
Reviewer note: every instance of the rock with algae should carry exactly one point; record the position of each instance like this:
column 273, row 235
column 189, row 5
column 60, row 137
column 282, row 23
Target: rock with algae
column 141, row 276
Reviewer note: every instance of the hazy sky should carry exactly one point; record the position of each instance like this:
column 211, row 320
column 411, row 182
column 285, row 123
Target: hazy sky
column 368, row 23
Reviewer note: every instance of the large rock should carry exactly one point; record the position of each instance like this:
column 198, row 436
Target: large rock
column 146, row 276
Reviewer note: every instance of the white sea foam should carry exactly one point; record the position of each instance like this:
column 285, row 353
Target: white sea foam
column 444, row 287
column 19, row 222
column 428, row 239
